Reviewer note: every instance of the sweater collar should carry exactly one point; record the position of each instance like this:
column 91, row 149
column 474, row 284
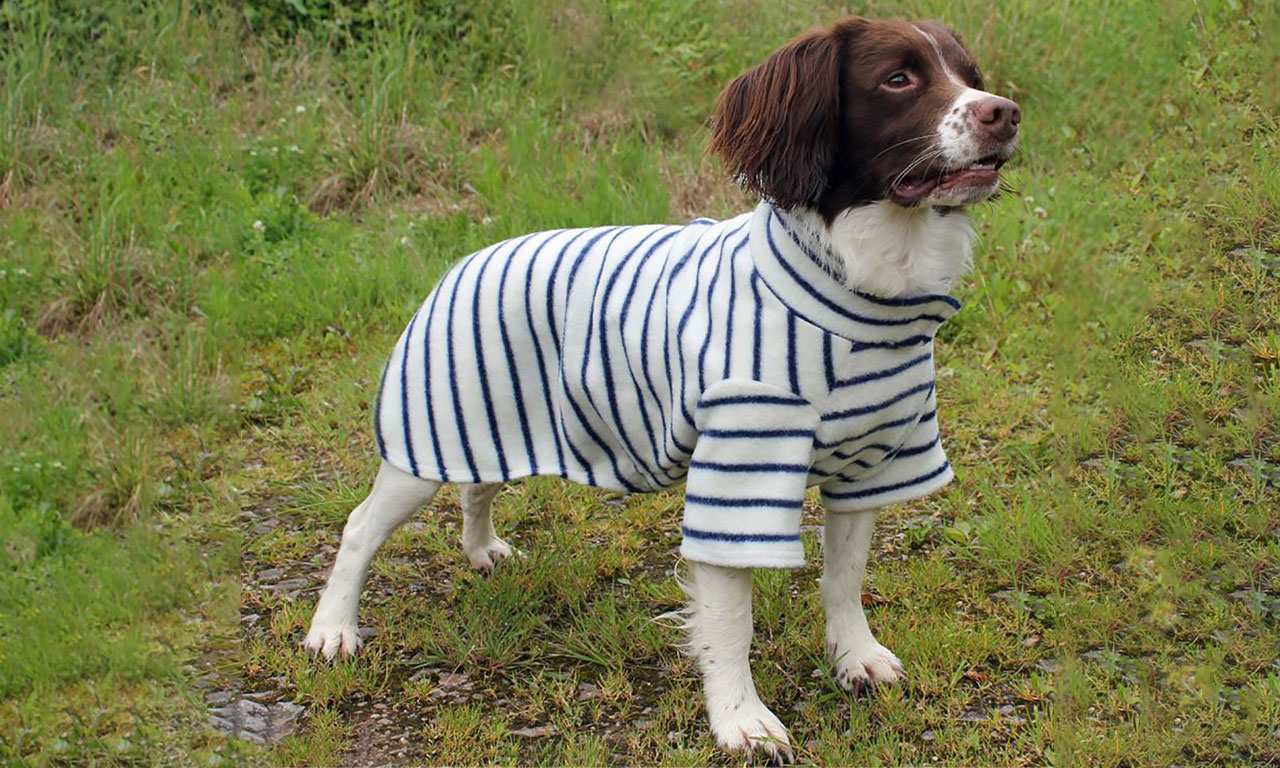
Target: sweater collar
column 792, row 271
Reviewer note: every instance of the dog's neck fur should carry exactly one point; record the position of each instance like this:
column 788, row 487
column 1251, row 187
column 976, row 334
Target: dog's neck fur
column 888, row 250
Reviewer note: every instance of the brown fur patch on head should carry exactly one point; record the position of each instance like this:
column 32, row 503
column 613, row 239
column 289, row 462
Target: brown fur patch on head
column 775, row 125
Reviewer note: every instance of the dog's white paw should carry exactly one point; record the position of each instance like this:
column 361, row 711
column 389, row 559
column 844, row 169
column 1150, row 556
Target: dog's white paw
column 485, row 556
column 333, row 638
column 750, row 727
column 860, row 666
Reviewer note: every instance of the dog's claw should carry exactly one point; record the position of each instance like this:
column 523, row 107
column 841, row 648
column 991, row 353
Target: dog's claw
column 865, row 666
column 753, row 729
column 333, row 641
column 485, row 557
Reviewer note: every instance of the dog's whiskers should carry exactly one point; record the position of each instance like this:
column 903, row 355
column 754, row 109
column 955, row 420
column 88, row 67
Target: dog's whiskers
column 927, row 155
column 899, row 144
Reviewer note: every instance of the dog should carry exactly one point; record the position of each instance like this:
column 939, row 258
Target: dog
column 750, row 358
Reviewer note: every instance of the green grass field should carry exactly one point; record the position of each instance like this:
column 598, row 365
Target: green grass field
column 216, row 218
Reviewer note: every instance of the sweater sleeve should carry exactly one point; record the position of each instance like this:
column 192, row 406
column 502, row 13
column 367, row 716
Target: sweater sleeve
column 918, row 468
column 748, row 476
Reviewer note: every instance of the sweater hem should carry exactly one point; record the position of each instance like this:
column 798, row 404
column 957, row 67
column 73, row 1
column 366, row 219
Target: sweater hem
column 738, row 556
column 890, row 498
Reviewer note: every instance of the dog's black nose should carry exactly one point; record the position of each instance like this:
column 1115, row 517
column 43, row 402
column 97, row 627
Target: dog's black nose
column 998, row 117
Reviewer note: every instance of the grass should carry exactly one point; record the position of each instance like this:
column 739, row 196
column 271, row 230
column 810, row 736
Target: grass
column 214, row 221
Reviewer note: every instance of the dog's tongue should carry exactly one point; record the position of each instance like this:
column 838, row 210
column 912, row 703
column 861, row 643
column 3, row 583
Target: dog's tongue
column 969, row 176
column 914, row 190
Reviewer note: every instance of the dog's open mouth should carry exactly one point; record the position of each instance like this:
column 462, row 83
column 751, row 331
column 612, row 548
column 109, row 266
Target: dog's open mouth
column 984, row 172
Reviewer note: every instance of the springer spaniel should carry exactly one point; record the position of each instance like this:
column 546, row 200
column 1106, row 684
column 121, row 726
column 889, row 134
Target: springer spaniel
column 751, row 358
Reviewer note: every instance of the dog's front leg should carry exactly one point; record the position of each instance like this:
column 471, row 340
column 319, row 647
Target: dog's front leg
column 859, row 660
column 719, row 637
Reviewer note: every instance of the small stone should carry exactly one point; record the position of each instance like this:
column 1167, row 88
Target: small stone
column 973, row 715
column 535, row 732
column 288, row 585
column 454, row 680
column 206, row 681
column 587, row 692
column 270, row 574
column 928, row 736
column 218, row 698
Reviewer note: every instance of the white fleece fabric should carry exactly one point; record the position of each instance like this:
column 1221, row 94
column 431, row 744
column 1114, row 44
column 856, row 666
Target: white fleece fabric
column 634, row 358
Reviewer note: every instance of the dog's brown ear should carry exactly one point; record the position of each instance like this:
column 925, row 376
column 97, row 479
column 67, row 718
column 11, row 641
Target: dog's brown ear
column 775, row 126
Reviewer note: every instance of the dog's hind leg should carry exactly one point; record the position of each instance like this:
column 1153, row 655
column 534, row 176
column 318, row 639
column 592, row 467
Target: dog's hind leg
column 395, row 497
column 859, row 660
column 482, row 546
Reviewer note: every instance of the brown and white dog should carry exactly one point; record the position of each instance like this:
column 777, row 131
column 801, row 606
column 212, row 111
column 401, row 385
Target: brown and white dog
column 873, row 136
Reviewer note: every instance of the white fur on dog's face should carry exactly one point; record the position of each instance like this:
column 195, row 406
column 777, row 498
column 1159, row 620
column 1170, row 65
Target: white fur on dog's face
column 963, row 142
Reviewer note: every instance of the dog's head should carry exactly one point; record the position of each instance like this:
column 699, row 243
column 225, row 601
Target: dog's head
column 867, row 110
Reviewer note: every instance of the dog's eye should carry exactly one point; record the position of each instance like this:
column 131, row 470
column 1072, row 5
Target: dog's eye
column 898, row 80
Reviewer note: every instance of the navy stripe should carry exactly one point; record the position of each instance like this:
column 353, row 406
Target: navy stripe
column 756, row 433
column 717, row 466
column 485, row 392
column 730, row 311
column 577, row 454
column 828, row 363
column 884, row 373
column 551, row 288
column 753, row 400
column 694, row 533
column 910, row 301
column 537, row 349
column 516, row 389
column 458, row 416
column 755, row 347
column 916, row 450
column 905, row 420
column 826, row 301
column 377, row 413
column 910, row 341
column 404, row 397
column 426, row 380
column 863, row 410
column 793, row 366
column 711, row 319
column 877, row 490
column 743, row 502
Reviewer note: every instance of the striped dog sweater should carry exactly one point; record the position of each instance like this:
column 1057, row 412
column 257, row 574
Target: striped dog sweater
column 633, row 358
